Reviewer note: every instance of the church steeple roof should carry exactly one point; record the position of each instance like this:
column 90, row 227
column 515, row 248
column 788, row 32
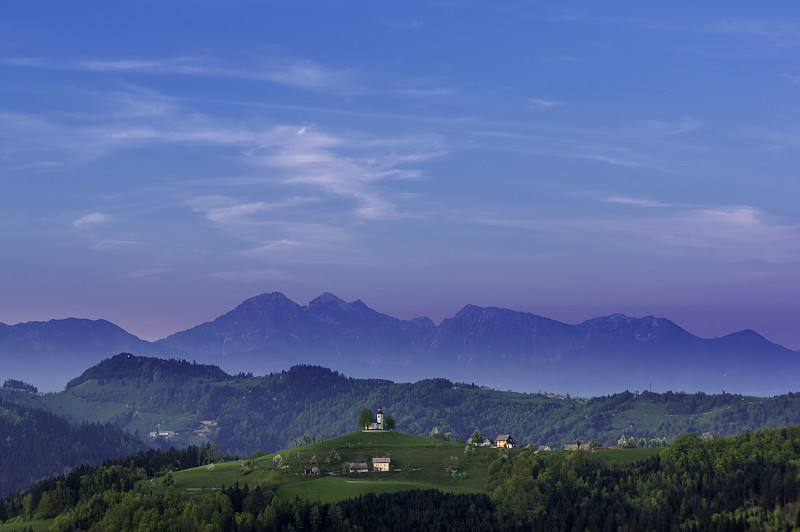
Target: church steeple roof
column 379, row 409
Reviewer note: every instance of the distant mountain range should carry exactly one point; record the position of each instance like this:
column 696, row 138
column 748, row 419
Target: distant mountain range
column 498, row 347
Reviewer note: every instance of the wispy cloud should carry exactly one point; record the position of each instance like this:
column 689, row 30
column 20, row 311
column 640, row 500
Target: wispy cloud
column 298, row 164
column 331, row 164
column 271, row 66
column 637, row 202
column 729, row 232
column 540, row 103
column 226, row 210
column 426, row 93
column 660, row 128
column 771, row 28
column 253, row 275
column 90, row 220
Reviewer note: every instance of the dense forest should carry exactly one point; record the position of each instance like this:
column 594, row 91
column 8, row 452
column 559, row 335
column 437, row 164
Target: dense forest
column 270, row 412
column 34, row 444
column 748, row 482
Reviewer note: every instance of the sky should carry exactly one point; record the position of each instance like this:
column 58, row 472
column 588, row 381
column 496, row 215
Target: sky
column 162, row 161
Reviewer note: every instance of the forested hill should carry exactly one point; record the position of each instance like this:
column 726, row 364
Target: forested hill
column 128, row 366
column 243, row 413
column 36, row 444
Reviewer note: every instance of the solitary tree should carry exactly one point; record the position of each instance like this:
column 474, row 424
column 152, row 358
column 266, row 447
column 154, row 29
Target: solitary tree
column 452, row 466
column 306, row 438
column 365, row 417
column 476, row 438
column 642, row 442
column 622, row 441
column 388, row 422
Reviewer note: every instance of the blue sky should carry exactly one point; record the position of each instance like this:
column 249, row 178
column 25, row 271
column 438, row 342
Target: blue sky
column 162, row 161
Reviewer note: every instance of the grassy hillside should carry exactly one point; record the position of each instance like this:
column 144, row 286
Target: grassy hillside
column 417, row 463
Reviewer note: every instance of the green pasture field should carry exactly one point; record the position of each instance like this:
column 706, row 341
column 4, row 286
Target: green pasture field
column 623, row 456
column 417, row 462
column 650, row 416
column 37, row 525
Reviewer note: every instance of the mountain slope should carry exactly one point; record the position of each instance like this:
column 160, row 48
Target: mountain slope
column 270, row 332
column 500, row 347
column 35, row 444
column 48, row 353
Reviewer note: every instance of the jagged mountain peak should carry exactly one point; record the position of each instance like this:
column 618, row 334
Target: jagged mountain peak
column 269, row 300
column 329, row 300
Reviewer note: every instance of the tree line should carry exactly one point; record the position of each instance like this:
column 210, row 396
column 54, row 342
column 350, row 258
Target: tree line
column 748, row 482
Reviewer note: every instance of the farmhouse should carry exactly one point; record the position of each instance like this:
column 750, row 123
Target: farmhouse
column 505, row 440
column 163, row 434
column 381, row 464
column 357, row 467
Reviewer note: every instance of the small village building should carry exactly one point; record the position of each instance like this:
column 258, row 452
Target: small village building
column 381, row 464
column 358, row 467
column 486, row 442
column 506, row 441
column 575, row 447
column 163, row 434
column 308, row 470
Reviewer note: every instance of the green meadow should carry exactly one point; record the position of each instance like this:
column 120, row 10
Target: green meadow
column 417, row 463
column 38, row 525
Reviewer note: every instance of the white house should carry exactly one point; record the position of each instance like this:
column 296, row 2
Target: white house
column 381, row 464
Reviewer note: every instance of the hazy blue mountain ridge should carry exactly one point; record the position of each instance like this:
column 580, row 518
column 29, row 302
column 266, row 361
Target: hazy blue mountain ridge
column 499, row 347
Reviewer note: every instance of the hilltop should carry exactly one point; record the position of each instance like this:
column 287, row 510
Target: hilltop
column 417, row 463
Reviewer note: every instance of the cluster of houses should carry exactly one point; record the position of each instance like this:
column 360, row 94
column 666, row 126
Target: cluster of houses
column 205, row 429
column 163, row 433
column 378, row 464
column 503, row 441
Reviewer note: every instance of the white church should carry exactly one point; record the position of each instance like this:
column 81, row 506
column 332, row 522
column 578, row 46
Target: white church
column 378, row 424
